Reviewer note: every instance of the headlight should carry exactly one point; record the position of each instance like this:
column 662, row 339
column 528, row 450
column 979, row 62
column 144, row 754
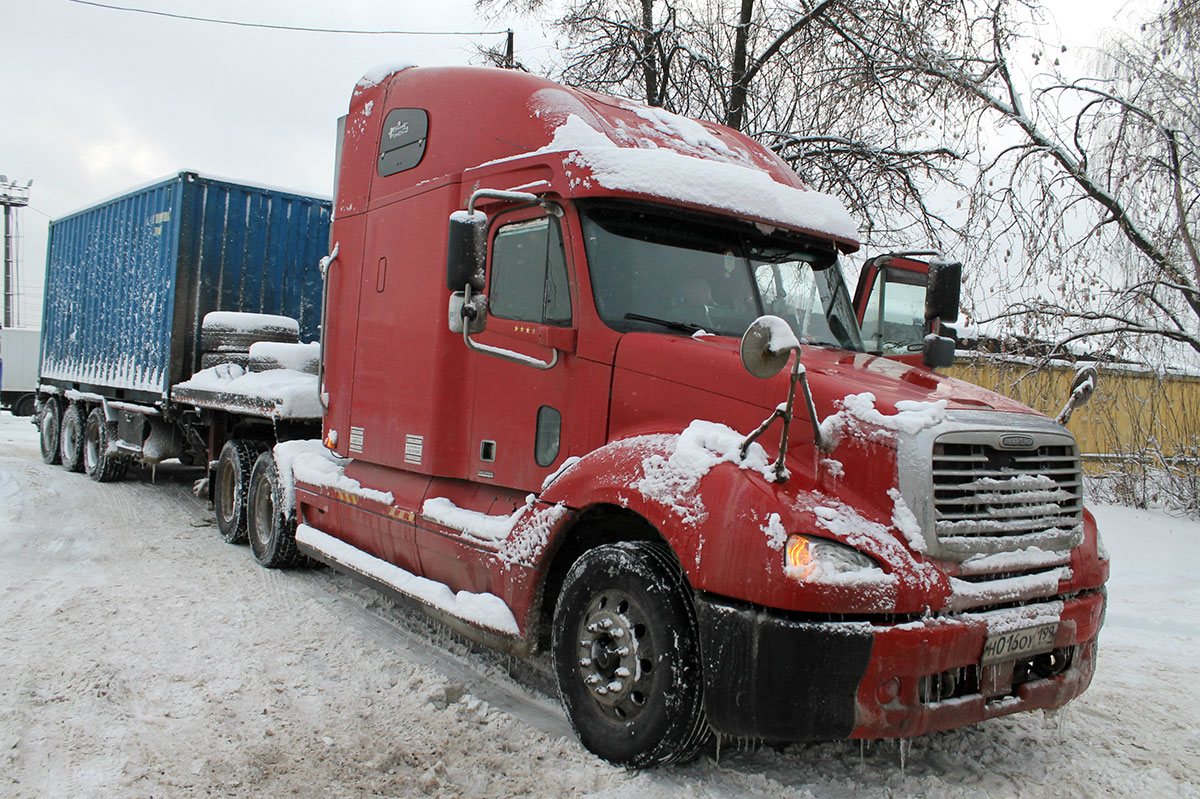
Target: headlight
column 819, row 560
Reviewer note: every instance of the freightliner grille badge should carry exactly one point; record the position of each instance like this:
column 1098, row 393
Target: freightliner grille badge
column 1013, row 441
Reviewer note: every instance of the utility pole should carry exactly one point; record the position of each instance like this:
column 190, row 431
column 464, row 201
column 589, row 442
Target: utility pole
column 508, row 50
column 12, row 197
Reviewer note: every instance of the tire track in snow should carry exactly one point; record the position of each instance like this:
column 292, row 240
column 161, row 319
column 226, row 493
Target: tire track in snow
column 404, row 630
column 428, row 643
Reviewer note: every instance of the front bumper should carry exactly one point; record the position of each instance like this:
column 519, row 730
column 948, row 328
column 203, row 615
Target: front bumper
column 769, row 676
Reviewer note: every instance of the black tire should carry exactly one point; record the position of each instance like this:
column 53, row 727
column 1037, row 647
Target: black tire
column 211, row 359
column 100, row 464
column 224, row 340
column 231, row 487
column 70, row 437
column 49, row 422
column 25, row 406
column 265, row 363
column 627, row 656
column 271, row 523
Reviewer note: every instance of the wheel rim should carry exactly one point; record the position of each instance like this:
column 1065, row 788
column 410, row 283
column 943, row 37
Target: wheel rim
column 264, row 512
column 70, row 438
column 47, row 433
column 91, row 447
column 226, row 489
column 616, row 655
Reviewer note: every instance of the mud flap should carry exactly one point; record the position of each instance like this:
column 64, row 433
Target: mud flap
column 770, row 677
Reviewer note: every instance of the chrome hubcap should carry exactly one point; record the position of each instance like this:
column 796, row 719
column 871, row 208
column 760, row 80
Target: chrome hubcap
column 616, row 655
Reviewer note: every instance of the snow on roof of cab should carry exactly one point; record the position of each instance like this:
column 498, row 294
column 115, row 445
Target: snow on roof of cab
column 376, row 75
column 698, row 168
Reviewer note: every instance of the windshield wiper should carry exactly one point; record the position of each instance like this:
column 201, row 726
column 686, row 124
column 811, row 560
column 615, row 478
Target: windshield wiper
column 683, row 327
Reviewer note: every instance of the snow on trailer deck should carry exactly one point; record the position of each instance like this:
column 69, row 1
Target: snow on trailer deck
column 277, row 393
column 143, row 656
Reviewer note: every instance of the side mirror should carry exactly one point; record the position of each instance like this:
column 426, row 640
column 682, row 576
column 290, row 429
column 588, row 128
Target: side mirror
column 942, row 291
column 766, row 346
column 466, row 250
column 938, row 351
column 942, row 295
column 471, row 314
column 1082, row 388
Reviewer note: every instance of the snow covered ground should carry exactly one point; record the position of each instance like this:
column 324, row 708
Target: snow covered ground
column 142, row 656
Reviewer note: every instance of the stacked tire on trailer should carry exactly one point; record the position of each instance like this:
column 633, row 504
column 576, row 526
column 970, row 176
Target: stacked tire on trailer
column 223, row 340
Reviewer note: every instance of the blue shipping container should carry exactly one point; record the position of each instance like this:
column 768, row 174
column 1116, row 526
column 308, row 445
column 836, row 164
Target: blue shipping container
column 129, row 280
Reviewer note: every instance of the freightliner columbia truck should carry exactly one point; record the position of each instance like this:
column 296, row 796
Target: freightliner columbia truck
column 591, row 384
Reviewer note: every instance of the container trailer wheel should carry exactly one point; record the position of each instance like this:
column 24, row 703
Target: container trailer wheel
column 48, row 430
column 270, row 521
column 70, row 437
column 100, row 464
column 627, row 656
column 232, row 487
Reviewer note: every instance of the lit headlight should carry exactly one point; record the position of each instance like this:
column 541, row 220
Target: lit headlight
column 819, row 560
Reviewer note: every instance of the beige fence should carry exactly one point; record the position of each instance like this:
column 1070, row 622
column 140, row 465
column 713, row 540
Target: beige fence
column 1139, row 435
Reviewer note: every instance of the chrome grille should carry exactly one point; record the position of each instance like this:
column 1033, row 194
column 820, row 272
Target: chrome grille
column 987, row 499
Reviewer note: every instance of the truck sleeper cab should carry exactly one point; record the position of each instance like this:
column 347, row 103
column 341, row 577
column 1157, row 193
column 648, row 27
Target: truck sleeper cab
column 546, row 442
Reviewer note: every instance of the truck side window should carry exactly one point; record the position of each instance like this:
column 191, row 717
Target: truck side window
column 528, row 280
column 405, row 133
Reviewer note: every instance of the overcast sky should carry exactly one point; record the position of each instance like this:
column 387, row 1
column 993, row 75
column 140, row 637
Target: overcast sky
column 96, row 101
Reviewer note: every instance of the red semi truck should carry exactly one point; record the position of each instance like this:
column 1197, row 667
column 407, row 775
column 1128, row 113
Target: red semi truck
column 593, row 385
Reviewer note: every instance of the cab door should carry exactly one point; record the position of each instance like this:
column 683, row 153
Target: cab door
column 523, row 415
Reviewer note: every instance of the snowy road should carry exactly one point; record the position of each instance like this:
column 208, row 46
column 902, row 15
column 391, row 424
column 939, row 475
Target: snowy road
column 142, row 656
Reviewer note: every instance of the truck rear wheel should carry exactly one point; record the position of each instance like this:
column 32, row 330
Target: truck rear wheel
column 271, row 522
column 627, row 656
column 232, row 487
column 48, row 430
column 70, row 437
column 100, row 464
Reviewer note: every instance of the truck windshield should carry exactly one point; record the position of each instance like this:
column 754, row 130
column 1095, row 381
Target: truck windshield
column 666, row 271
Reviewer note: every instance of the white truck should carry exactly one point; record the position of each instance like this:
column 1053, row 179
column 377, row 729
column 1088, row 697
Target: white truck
column 19, row 369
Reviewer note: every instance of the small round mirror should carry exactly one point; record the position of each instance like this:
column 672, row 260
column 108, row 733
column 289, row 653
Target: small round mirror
column 1084, row 384
column 766, row 346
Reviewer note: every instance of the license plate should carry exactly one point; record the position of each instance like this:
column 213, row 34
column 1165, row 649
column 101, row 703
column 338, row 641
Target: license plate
column 1019, row 643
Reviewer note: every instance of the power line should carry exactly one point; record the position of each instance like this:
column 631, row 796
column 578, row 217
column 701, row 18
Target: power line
column 236, row 23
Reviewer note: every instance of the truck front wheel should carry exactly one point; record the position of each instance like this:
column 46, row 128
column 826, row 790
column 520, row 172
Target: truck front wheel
column 272, row 525
column 48, row 429
column 100, row 464
column 232, row 487
column 627, row 656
